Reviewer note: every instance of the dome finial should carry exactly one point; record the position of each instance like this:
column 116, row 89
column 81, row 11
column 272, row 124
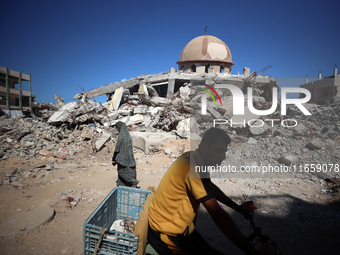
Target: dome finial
column 206, row 31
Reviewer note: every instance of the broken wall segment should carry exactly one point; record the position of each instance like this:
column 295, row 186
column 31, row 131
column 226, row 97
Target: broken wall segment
column 149, row 141
column 78, row 112
column 115, row 102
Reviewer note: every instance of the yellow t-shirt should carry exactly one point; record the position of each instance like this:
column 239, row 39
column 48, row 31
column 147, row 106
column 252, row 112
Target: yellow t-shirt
column 176, row 202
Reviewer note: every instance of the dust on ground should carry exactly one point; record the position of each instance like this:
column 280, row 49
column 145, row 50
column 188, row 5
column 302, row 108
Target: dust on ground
column 300, row 214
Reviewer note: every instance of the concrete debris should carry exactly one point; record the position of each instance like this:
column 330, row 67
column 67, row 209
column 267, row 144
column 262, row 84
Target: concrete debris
column 27, row 137
column 300, row 128
column 85, row 127
column 59, row 100
column 105, row 137
column 150, row 142
column 78, row 112
column 252, row 141
column 63, row 113
column 314, row 145
column 183, row 128
column 289, row 160
column 115, row 102
column 258, row 128
column 160, row 101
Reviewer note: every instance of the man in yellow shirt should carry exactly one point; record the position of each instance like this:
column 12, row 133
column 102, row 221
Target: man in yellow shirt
column 173, row 211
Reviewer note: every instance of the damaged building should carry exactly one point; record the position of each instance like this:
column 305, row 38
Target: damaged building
column 12, row 96
column 204, row 60
column 325, row 89
column 168, row 105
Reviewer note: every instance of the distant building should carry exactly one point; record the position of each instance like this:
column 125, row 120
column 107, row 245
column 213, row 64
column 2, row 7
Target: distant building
column 13, row 97
column 323, row 90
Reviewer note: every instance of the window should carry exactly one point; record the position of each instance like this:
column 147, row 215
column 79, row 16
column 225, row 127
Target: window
column 193, row 68
column 207, row 68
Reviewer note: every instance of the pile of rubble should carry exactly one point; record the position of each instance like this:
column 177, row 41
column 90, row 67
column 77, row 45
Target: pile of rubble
column 27, row 137
column 152, row 114
column 85, row 126
column 294, row 139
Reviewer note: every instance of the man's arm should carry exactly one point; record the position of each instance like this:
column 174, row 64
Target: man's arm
column 223, row 198
column 226, row 224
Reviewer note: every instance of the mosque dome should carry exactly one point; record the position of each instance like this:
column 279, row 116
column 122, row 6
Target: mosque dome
column 206, row 49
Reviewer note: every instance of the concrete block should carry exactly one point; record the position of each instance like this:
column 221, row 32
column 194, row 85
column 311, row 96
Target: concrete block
column 129, row 120
column 214, row 113
column 117, row 97
column 289, row 160
column 124, row 112
column 113, row 115
column 105, row 137
column 63, row 113
column 148, row 140
column 143, row 89
column 140, row 109
column 160, row 101
column 155, row 110
column 183, row 128
column 252, row 141
column 299, row 128
column 314, row 145
column 257, row 128
column 184, row 92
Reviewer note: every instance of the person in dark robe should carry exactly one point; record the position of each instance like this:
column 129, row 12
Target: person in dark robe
column 124, row 158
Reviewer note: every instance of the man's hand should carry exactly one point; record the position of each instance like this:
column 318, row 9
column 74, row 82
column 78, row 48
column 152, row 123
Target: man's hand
column 246, row 208
column 226, row 224
column 114, row 163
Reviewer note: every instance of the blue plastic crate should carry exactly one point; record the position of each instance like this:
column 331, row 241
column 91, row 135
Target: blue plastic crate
column 120, row 203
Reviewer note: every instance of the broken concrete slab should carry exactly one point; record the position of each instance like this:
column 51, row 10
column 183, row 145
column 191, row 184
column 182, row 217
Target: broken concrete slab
column 113, row 115
column 63, row 113
column 258, row 127
column 183, row 128
column 184, row 92
column 59, row 100
column 314, row 145
column 130, row 120
column 155, row 110
column 117, row 97
column 299, row 128
column 214, row 113
column 25, row 222
column 289, row 160
column 140, row 109
column 160, row 101
column 252, row 141
column 45, row 153
column 143, row 89
column 148, row 141
column 105, row 137
column 78, row 112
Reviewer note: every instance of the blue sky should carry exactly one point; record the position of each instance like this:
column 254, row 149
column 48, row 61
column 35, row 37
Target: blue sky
column 70, row 45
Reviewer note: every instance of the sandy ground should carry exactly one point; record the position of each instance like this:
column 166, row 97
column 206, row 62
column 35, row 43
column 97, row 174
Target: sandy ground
column 301, row 215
